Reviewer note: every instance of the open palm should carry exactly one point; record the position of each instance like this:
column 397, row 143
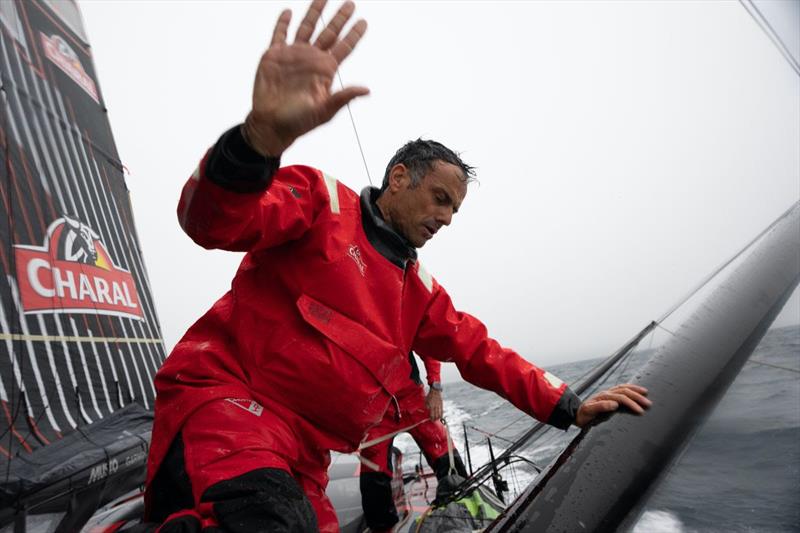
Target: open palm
column 292, row 90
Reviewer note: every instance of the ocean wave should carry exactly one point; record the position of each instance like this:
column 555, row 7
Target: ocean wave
column 659, row 522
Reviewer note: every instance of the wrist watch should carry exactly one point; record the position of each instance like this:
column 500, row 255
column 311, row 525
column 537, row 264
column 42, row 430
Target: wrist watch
column 436, row 386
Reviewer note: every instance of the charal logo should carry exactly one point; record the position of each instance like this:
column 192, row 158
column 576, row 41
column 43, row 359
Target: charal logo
column 355, row 255
column 250, row 406
column 73, row 272
column 59, row 52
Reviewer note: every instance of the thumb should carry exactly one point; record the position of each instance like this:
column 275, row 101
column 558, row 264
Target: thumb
column 589, row 410
column 340, row 99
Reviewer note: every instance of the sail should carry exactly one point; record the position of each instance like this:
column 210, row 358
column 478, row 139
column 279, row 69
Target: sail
column 80, row 341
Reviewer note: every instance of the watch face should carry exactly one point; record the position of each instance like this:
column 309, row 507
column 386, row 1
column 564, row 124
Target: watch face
column 436, row 386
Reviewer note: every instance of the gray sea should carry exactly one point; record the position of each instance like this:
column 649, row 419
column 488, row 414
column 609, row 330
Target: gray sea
column 740, row 473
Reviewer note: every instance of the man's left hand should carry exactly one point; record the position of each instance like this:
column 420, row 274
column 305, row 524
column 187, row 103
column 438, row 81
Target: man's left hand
column 607, row 401
column 435, row 404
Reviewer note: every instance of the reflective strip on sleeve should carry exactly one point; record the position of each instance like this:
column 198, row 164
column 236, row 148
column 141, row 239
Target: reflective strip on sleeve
column 333, row 192
column 553, row 381
column 424, row 277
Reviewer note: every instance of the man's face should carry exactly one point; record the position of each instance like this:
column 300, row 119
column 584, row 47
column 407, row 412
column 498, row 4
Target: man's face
column 418, row 213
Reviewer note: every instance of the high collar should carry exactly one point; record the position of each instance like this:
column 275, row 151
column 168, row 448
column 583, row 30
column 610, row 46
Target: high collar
column 383, row 238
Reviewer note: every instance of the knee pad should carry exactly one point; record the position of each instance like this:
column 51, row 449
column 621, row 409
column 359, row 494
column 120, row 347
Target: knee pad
column 266, row 499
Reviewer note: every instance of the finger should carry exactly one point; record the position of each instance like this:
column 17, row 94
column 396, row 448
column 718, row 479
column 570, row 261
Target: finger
column 279, row 34
column 596, row 407
column 634, row 392
column 624, row 400
column 638, row 398
column 637, row 388
column 306, row 28
column 340, row 99
column 331, row 32
column 343, row 48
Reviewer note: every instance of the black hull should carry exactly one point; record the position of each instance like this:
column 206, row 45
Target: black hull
column 604, row 477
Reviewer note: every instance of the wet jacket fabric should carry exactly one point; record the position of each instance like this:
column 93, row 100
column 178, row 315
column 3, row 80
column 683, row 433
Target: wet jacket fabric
column 323, row 311
column 430, row 435
column 433, row 370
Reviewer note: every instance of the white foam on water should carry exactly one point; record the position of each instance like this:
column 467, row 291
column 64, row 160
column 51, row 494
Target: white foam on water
column 493, row 407
column 659, row 522
column 455, row 417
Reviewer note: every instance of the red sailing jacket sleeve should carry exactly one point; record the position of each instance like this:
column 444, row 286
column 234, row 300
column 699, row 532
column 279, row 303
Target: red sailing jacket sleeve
column 433, row 370
column 483, row 362
column 240, row 201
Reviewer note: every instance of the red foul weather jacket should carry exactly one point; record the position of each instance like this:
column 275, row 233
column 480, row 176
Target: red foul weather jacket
column 433, row 371
column 323, row 311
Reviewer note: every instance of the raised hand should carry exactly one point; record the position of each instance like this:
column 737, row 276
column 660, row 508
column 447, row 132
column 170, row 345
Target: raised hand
column 292, row 90
column 631, row 396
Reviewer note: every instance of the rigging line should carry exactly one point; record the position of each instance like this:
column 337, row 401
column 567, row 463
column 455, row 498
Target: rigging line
column 491, row 435
column 597, row 385
column 31, row 432
column 756, row 361
column 636, row 351
column 622, row 365
column 352, row 120
column 358, row 139
column 767, row 28
column 15, row 409
column 719, row 269
column 623, row 369
column 665, row 329
column 520, row 417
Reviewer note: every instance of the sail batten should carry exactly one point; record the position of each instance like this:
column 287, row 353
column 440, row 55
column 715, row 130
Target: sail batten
column 80, row 339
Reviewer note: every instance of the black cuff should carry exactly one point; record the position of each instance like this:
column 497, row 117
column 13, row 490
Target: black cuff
column 566, row 410
column 234, row 166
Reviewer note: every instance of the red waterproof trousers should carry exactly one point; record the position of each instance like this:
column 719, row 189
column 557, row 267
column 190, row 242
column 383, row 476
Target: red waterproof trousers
column 430, row 435
column 228, row 438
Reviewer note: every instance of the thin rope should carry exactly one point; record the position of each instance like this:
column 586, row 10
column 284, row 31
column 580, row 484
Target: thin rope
column 493, row 435
column 665, row 329
column 452, row 469
column 719, row 269
column 15, row 317
column 355, row 130
column 381, row 439
column 388, row 436
column 767, row 28
column 350, row 113
column 756, row 361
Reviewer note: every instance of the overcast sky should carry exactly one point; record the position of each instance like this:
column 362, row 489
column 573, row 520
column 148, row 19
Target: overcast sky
column 624, row 149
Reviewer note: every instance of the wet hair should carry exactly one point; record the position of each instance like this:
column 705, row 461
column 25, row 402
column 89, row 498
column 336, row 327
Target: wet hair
column 419, row 157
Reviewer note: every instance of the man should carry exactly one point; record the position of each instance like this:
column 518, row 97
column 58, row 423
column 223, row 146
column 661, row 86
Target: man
column 310, row 346
column 421, row 416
